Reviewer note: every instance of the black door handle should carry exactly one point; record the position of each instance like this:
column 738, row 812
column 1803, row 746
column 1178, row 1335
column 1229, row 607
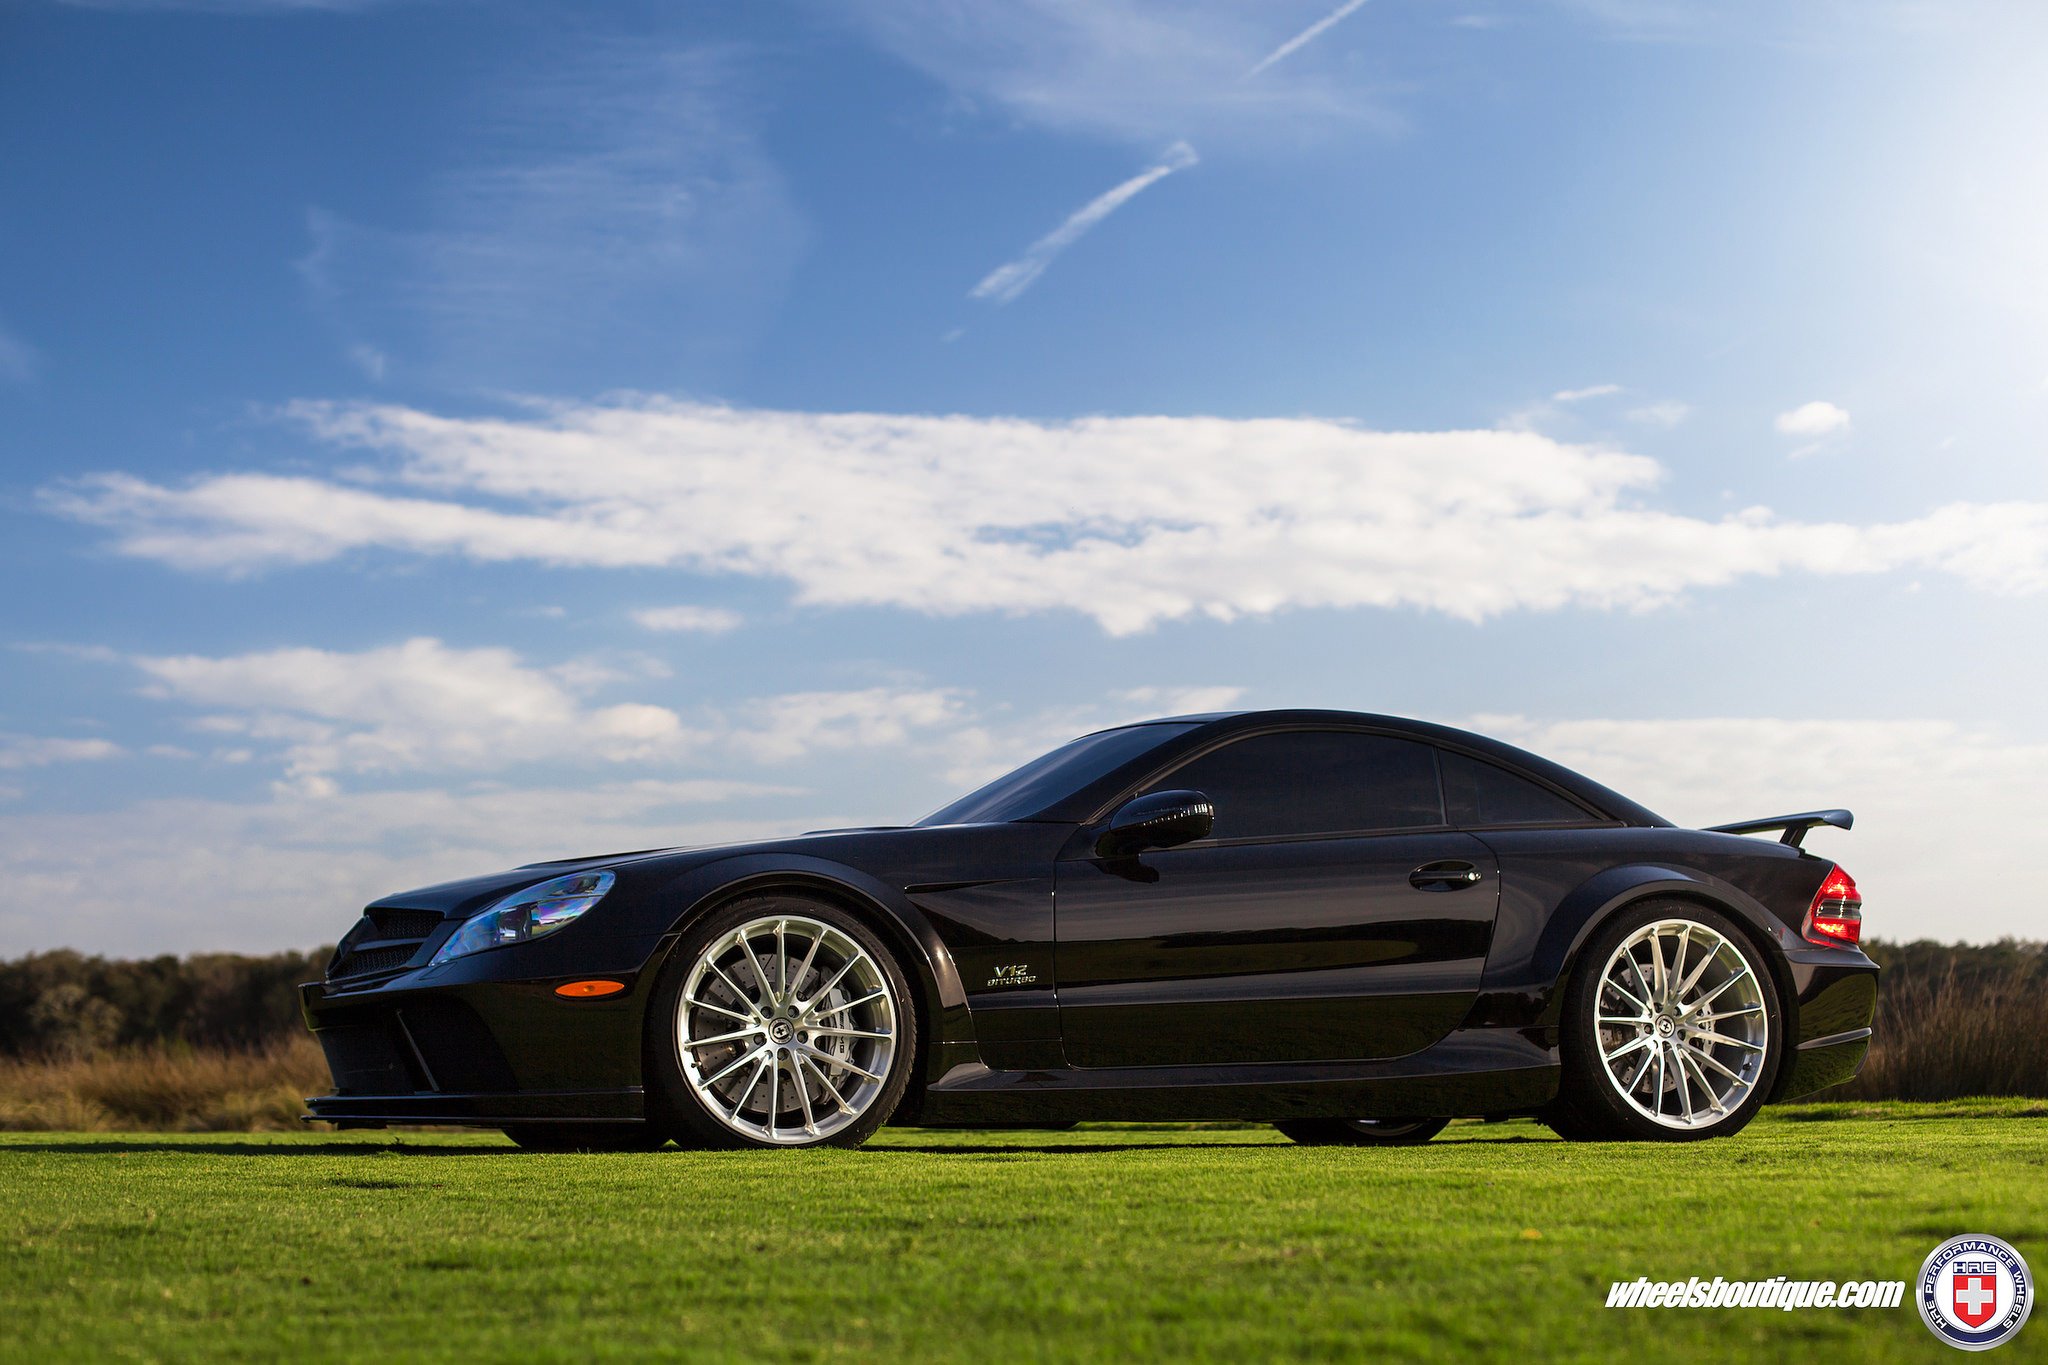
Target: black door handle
column 1445, row 876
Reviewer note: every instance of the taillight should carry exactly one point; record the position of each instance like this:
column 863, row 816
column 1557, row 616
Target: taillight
column 1835, row 919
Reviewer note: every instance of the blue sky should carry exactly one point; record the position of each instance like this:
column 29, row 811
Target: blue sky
column 438, row 435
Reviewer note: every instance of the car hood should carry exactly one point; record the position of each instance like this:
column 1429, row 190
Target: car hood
column 470, row 894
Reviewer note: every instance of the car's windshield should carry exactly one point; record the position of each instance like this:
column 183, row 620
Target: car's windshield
column 1049, row 777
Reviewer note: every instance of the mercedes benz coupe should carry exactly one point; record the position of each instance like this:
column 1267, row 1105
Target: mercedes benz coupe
column 1354, row 927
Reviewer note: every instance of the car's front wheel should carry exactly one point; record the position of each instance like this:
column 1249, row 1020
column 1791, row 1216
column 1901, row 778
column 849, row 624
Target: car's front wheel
column 1671, row 1029
column 780, row 1022
column 1362, row 1132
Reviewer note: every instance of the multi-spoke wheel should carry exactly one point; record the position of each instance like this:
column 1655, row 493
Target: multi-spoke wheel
column 784, row 1023
column 1362, row 1132
column 1670, row 1029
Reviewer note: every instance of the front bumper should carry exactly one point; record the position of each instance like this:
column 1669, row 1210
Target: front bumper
column 485, row 1040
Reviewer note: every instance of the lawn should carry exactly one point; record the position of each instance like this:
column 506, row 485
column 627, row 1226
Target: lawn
column 1108, row 1243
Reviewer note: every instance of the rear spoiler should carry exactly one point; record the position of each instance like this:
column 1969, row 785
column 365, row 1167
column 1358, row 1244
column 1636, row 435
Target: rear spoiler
column 1795, row 826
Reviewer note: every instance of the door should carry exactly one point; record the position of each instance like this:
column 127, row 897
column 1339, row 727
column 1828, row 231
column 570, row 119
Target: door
column 1330, row 915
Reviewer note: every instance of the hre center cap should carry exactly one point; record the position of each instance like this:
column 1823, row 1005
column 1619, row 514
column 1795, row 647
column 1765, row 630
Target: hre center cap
column 780, row 1031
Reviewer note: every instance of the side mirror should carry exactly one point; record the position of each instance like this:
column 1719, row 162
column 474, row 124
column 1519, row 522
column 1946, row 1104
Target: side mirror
column 1156, row 820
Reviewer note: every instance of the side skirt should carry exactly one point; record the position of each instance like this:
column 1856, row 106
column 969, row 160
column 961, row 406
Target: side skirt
column 1474, row 1071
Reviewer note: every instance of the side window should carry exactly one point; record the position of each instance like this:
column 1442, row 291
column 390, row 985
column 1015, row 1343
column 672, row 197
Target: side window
column 1477, row 793
column 1315, row 782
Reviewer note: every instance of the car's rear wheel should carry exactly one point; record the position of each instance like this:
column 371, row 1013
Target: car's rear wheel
column 587, row 1137
column 1671, row 1029
column 780, row 1022
column 1362, row 1132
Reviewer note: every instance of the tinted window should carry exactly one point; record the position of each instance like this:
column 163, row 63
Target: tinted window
column 1478, row 793
column 1314, row 782
column 1049, row 777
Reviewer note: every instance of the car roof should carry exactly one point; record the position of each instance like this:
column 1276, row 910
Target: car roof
column 1215, row 725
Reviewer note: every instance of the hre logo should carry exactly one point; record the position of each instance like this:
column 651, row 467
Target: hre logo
column 1975, row 1292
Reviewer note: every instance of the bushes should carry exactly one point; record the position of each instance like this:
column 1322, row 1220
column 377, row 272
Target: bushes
column 1957, row 1019
column 64, row 1004
column 165, row 1089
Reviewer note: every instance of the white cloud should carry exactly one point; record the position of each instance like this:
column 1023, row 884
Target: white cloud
column 1185, row 516
column 1818, row 418
column 424, row 706
column 32, row 751
column 1581, row 395
column 1306, row 36
column 703, row 620
column 1667, row 413
column 1012, row 278
column 1921, row 790
column 416, row 705
column 786, row 727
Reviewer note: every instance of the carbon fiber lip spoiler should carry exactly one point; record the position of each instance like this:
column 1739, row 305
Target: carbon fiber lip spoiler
column 1795, row 826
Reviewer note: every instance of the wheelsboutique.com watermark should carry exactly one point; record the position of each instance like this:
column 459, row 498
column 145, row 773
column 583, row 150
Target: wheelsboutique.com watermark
column 1773, row 1293
column 1974, row 1292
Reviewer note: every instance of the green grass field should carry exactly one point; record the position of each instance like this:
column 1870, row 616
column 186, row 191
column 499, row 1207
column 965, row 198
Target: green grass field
column 1109, row 1243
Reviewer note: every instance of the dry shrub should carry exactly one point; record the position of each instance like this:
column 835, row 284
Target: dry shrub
column 165, row 1089
column 1940, row 1036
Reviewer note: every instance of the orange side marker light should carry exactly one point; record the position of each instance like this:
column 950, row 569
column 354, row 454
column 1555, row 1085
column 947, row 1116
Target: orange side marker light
column 587, row 990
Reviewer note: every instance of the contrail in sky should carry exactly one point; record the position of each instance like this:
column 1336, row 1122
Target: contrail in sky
column 1307, row 36
column 1012, row 278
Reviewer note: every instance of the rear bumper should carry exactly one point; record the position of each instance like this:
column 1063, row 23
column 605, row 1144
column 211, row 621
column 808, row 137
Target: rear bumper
column 1836, row 993
column 1822, row 1062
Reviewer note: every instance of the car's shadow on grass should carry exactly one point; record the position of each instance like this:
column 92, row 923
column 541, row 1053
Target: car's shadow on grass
column 300, row 1149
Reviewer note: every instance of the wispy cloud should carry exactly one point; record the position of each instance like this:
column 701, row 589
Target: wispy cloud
column 1012, row 278
column 614, row 203
column 19, row 361
column 1582, row 395
column 702, row 620
column 958, row 514
column 1306, row 36
column 1138, row 71
column 35, row 751
column 1819, row 423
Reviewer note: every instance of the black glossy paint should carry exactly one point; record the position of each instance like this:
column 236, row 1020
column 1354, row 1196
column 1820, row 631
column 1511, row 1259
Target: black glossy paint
column 1356, row 973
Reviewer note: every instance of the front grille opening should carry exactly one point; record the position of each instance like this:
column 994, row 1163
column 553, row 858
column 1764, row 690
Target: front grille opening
column 407, row 924
column 383, row 940
column 364, row 961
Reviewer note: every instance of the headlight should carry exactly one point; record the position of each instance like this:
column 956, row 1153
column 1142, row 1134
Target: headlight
column 527, row 914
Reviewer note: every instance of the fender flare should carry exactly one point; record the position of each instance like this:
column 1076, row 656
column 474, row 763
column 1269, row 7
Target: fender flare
column 928, row 962
column 1594, row 902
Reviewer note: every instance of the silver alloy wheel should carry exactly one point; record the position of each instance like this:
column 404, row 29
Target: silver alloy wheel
column 1682, row 1029
column 786, row 1029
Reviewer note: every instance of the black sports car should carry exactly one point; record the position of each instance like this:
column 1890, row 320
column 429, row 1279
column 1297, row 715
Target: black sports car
column 1354, row 927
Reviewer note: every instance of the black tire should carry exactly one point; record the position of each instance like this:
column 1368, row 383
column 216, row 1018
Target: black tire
column 674, row 1104
column 1590, row 1105
column 1362, row 1132
column 587, row 1137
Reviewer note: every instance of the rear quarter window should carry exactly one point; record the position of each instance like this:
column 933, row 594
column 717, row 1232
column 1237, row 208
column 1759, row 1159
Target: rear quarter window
column 1477, row 793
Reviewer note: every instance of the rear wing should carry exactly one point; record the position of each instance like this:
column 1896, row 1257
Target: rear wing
column 1795, row 826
